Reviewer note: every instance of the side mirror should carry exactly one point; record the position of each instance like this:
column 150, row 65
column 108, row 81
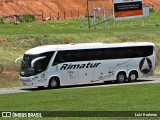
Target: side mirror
column 18, row 59
column 36, row 59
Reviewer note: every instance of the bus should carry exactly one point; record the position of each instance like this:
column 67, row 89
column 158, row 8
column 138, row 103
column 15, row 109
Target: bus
column 84, row 63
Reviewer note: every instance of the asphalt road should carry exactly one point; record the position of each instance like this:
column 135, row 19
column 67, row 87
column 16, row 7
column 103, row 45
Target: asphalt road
column 31, row 89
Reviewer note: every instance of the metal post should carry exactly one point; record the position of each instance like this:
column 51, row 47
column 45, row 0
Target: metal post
column 58, row 16
column 114, row 22
column 131, row 22
column 50, row 16
column 118, row 23
column 94, row 15
column 88, row 15
column 78, row 13
column 71, row 14
column 104, row 20
column 64, row 15
column 142, row 20
column 42, row 15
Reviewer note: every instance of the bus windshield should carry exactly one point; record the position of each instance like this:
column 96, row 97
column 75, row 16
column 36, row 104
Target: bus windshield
column 39, row 66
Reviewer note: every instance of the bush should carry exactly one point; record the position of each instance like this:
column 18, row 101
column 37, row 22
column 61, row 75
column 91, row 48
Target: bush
column 26, row 18
column 1, row 68
column 1, row 20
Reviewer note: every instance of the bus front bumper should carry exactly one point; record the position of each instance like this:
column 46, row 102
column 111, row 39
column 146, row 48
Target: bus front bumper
column 27, row 81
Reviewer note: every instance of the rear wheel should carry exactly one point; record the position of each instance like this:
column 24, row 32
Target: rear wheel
column 121, row 77
column 132, row 76
column 54, row 83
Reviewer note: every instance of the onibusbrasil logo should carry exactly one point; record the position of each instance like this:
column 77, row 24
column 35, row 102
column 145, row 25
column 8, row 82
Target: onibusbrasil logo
column 21, row 114
column 145, row 65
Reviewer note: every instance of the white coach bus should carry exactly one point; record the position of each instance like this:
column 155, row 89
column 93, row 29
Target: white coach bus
column 57, row 65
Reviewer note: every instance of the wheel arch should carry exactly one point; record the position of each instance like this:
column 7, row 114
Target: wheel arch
column 54, row 76
column 133, row 70
column 123, row 71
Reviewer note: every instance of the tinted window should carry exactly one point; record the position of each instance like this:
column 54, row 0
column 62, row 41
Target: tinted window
column 44, row 62
column 94, row 54
column 77, row 55
column 127, row 52
column 39, row 65
column 102, row 54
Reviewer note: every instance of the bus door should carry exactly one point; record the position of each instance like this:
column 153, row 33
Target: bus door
column 52, row 71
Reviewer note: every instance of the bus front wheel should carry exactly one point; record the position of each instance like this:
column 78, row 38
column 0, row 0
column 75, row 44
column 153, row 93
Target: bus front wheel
column 54, row 83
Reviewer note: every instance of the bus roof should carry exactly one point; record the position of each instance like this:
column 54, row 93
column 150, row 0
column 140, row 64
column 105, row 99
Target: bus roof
column 48, row 48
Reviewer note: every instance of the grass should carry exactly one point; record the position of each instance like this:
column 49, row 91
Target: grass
column 119, row 98
column 114, row 98
column 16, row 39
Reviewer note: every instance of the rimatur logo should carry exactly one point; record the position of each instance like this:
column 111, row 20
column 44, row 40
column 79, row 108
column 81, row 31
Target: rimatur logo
column 145, row 65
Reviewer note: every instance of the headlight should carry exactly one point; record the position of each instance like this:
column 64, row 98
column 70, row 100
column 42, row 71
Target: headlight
column 32, row 78
column 22, row 73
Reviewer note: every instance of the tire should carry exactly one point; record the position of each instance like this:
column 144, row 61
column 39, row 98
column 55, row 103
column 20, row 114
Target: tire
column 132, row 76
column 54, row 83
column 121, row 77
column 108, row 82
column 40, row 87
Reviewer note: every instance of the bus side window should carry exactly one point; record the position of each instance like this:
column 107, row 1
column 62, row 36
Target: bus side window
column 45, row 61
column 94, row 54
column 148, row 50
column 107, row 53
column 59, row 58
